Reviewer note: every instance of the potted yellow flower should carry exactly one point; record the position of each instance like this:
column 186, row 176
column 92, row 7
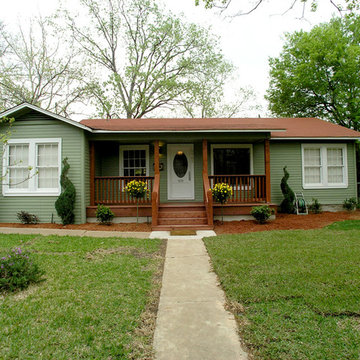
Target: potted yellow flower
column 137, row 189
column 221, row 193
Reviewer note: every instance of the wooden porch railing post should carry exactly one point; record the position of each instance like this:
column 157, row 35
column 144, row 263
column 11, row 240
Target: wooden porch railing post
column 208, row 200
column 155, row 195
column 267, row 170
column 156, row 157
column 205, row 156
column 92, row 173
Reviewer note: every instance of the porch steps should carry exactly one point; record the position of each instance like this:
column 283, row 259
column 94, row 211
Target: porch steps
column 174, row 216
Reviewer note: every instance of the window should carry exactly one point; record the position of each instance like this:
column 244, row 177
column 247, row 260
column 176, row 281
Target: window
column 324, row 166
column 32, row 167
column 134, row 160
column 18, row 166
column 231, row 159
column 47, row 166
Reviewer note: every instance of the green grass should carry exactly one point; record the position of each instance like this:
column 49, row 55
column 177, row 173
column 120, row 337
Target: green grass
column 296, row 294
column 90, row 304
column 345, row 225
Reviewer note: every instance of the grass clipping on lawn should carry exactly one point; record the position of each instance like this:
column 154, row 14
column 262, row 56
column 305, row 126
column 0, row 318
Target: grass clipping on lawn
column 295, row 294
column 99, row 300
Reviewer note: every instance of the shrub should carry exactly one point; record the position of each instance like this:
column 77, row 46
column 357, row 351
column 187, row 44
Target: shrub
column 27, row 218
column 350, row 204
column 65, row 203
column 287, row 205
column 261, row 213
column 18, row 271
column 104, row 215
column 315, row 207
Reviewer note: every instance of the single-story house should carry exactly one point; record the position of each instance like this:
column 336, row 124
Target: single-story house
column 180, row 160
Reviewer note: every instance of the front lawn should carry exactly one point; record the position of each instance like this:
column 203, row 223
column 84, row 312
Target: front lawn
column 296, row 294
column 95, row 303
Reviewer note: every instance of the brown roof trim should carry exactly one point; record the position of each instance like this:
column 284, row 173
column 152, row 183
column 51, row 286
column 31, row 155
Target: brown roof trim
column 280, row 128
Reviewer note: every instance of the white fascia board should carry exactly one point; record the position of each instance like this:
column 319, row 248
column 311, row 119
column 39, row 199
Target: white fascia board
column 317, row 138
column 180, row 131
column 45, row 112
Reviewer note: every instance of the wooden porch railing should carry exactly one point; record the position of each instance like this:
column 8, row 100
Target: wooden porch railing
column 111, row 190
column 246, row 188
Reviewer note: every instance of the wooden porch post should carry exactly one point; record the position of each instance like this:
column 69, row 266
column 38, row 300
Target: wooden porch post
column 92, row 173
column 156, row 157
column 155, row 199
column 208, row 201
column 205, row 157
column 267, row 170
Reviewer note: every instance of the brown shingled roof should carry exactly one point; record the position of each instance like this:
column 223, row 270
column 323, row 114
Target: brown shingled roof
column 279, row 127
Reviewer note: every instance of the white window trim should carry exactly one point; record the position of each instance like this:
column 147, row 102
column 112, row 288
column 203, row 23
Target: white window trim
column 133, row 147
column 232, row 146
column 324, row 167
column 32, row 189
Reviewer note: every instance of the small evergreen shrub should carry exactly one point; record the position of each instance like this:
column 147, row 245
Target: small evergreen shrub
column 27, row 218
column 287, row 205
column 350, row 204
column 104, row 215
column 315, row 207
column 18, row 271
column 261, row 213
column 65, row 203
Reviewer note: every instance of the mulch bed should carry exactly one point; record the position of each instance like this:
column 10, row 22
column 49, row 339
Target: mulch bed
column 141, row 227
column 282, row 222
column 287, row 222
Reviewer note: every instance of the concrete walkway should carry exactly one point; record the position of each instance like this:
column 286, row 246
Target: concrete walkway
column 192, row 322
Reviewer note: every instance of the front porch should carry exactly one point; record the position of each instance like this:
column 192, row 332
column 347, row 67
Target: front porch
column 248, row 190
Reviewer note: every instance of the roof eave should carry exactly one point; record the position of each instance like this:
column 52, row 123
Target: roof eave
column 22, row 106
column 318, row 138
column 97, row 131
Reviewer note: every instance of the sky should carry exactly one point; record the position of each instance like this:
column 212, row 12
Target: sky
column 247, row 41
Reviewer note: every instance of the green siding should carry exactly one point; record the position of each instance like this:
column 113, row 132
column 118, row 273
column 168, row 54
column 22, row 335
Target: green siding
column 258, row 159
column 288, row 153
column 36, row 125
column 86, row 178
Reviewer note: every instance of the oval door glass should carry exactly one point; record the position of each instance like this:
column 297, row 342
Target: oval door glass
column 180, row 165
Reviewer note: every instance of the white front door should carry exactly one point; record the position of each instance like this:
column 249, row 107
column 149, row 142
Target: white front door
column 180, row 165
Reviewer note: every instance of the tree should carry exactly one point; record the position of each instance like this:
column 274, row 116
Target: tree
column 317, row 74
column 34, row 68
column 65, row 203
column 287, row 205
column 207, row 97
column 207, row 90
column 206, row 103
column 251, row 6
column 148, row 58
